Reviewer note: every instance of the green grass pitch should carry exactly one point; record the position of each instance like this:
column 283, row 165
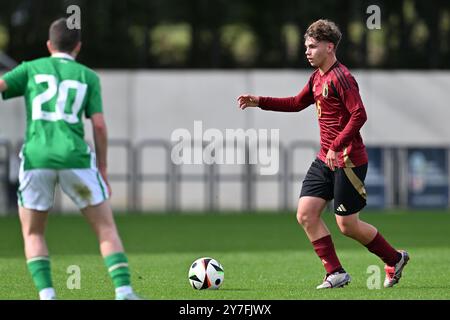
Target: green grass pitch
column 265, row 256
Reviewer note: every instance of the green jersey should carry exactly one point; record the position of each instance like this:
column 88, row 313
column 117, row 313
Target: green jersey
column 57, row 91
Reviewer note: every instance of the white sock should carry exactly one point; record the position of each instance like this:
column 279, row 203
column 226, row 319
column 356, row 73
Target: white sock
column 47, row 294
column 124, row 290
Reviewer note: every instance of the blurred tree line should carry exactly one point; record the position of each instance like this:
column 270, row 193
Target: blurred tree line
column 414, row 34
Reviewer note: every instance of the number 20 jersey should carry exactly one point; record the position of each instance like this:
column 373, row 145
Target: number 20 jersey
column 58, row 91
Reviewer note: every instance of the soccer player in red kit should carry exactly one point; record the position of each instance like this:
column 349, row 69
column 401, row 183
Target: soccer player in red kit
column 340, row 168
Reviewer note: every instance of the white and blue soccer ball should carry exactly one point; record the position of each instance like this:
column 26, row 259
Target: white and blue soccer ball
column 206, row 273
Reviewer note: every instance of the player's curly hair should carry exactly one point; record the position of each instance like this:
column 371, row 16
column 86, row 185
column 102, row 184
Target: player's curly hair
column 324, row 30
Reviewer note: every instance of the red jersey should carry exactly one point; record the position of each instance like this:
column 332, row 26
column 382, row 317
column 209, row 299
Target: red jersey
column 340, row 111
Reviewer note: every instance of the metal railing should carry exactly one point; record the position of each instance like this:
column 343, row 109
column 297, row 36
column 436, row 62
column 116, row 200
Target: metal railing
column 394, row 161
column 128, row 176
column 169, row 177
column 212, row 178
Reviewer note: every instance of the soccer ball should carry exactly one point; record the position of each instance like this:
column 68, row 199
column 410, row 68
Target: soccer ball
column 206, row 273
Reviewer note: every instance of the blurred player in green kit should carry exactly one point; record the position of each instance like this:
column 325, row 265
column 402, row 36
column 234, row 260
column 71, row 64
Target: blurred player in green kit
column 58, row 91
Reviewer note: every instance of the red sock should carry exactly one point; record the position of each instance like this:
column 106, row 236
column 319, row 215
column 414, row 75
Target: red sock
column 384, row 250
column 325, row 250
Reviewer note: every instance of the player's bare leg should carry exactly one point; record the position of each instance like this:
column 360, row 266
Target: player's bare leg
column 367, row 235
column 309, row 217
column 309, row 213
column 101, row 219
column 33, row 224
column 353, row 227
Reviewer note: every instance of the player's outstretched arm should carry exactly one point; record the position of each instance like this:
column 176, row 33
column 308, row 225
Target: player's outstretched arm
column 101, row 145
column 246, row 101
column 288, row 104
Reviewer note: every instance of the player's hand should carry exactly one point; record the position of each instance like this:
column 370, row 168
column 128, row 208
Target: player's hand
column 246, row 101
column 105, row 178
column 331, row 160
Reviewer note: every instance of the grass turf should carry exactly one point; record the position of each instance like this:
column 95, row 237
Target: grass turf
column 265, row 256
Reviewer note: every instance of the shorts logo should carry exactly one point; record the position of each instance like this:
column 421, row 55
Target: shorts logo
column 325, row 90
column 341, row 208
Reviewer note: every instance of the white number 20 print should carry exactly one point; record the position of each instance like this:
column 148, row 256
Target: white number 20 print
column 62, row 90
